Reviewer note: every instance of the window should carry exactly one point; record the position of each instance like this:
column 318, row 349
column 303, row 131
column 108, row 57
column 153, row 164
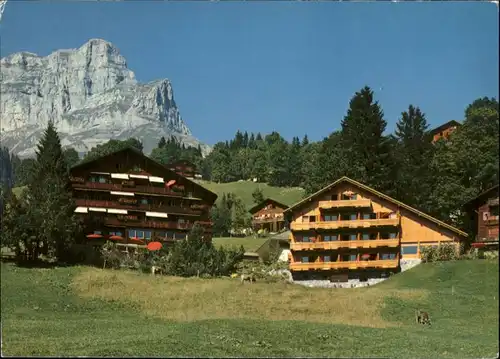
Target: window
column 333, row 237
column 97, row 232
column 305, row 239
column 331, row 217
column 326, row 259
column 352, row 257
column 326, row 238
column 102, row 179
column 369, row 216
column 409, row 250
column 334, row 197
column 140, row 234
column 387, row 256
column 352, row 237
column 179, row 236
column 116, row 233
column 144, row 201
column 305, row 259
column 312, row 218
column 353, row 216
column 354, row 196
column 365, row 236
column 147, row 235
column 131, row 233
column 393, row 235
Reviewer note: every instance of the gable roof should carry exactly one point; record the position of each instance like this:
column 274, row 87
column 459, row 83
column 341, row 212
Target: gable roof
column 444, row 126
column 482, row 196
column 343, row 179
column 85, row 164
column 264, row 203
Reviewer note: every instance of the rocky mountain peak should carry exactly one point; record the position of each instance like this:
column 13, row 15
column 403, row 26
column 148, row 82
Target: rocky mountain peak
column 91, row 96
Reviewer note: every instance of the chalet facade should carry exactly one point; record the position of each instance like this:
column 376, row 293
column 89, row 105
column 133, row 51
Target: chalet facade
column 131, row 199
column 184, row 168
column 349, row 230
column 444, row 131
column 268, row 215
column 483, row 214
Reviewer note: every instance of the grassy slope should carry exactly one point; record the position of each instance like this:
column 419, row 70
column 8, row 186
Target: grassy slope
column 251, row 244
column 244, row 190
column 87, row 311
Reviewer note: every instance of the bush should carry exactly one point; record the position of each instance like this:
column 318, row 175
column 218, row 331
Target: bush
column 443, row 252
column 198, row 257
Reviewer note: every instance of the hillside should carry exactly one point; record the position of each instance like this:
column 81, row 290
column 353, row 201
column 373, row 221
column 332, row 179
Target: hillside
column 244, row 189
column 43, row 308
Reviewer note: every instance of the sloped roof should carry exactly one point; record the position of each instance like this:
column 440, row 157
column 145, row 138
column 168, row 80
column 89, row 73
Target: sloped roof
column 209, row 194
column 444, row 126
column 299, row 204
column 482, row 196
column 264, row 203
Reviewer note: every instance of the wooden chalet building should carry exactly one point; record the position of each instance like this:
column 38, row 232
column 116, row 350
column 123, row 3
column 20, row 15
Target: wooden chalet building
column 444, row 130
column 483, row 214
column 184, row 168
column 268, row 215
column 349, row 230
column 127, row 197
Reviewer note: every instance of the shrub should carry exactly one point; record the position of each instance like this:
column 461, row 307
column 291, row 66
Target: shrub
column 443, row 252
column 111, row 255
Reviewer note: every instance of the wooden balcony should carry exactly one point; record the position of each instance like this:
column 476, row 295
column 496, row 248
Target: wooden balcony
column 300, row 246
column 358, row 223
column 119, row 187
column 492, row 221
column 355, row 203
column 493, row 202
column 115, row 222
column 268, row 220
column 387, row 263
column 138, row 207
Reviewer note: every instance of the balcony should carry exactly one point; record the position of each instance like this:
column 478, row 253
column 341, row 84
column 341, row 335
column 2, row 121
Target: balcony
column 358, row 223
column 492, row 202
column 138, row 207
column 387, row 263
column 355, row 203
column 123, row 188
column 139, row 223
column 267, row 220
column 492, row 221
column 300, row 246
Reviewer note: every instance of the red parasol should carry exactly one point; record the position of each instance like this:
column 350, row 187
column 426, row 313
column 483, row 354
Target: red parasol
column 365, row 256
column 154, row 246
column 170, row 183
column 116, row 238
column 478, row 245
column 135, row 239
column 94, row 236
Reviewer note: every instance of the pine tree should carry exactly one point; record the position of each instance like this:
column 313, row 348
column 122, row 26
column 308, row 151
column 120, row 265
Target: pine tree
column 414, row 156
column 49, row 196
column 258, row 196
column 364, row 145
column 162, row 142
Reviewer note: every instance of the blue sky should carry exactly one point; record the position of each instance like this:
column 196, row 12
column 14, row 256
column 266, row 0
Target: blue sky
column 285, row 66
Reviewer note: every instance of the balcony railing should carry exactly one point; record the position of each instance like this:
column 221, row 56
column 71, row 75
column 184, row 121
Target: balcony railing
column 358, row 223
column 268, row 220
column 123, row 188
column 384, row 263
column 353, row 203
column 115, row 222
column 393, row 243
column 138, row 207
column 492, row 221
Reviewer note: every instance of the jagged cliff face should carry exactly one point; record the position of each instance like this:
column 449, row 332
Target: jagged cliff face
column 91, row 96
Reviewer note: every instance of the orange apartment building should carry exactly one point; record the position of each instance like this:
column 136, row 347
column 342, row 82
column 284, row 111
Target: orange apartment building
column 268, row 215
column 444, row 130
column 348, row 230
column 127, row 197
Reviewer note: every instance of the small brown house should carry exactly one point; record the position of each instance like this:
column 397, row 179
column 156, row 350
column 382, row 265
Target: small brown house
column 184, row 168
column 444, row 130
column 268, row 215
column 483, row 212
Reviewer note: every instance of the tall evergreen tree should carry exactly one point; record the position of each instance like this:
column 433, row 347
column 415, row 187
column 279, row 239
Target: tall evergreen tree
column 49, row 196
column 364, row 144
column 162, row 142
column 414, row 155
